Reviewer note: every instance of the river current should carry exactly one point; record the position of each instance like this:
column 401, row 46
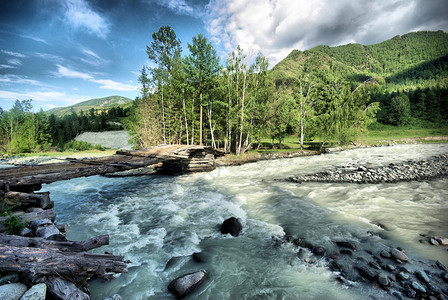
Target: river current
column 152, row 219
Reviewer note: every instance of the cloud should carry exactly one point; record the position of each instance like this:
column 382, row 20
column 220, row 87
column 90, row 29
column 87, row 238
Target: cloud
column 16, row 54
column 79, row 14
column 14, row 61
column 41, row 96
column 7, row 67
column 8, row 79
column 179, row 6
column 104, row 83
column 276, row 27
column 92, row 58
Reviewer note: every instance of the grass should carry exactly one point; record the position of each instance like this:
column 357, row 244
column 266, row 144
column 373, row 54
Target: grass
column 381, row 134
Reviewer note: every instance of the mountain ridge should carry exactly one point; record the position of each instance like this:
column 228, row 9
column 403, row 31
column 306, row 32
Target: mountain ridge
column 95, row 103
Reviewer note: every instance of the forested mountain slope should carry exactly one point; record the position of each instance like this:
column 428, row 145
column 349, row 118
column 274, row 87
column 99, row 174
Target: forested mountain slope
column 416, row 58
column 97, row 103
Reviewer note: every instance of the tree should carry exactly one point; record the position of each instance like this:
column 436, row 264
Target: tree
column 202, row 66
column 164, row 50
column 306, row 97
column 399, row 112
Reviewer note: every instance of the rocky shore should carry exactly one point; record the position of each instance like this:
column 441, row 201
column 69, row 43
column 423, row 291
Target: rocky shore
column 408, row 171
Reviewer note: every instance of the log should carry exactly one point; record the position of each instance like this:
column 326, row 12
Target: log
column 62, row 289
column 76, row 266
column 50, row 232
column 41, row 200
column 65, row 246
column 32, row 216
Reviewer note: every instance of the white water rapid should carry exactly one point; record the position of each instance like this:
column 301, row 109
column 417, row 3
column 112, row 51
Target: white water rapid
column 151, row 219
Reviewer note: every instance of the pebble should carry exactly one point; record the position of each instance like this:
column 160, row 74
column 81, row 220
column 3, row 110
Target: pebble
column 375, row 265
column 418, row 287
column 422, row 276
column 403, row 276
column 398, row 295
column 445, row 276
column 383, row 279
column 398, row 254
column 385, row 254
column 391, row 268
column 441, row 266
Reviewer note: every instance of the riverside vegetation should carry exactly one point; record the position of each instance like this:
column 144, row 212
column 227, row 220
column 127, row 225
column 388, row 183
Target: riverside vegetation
column 325, row 95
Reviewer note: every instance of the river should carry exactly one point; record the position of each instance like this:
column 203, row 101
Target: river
column 151, row 219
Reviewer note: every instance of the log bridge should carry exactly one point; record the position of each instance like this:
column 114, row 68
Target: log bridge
column 42, row 253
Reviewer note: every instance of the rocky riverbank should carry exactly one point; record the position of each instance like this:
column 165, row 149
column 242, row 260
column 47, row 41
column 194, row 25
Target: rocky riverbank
column 408, row 171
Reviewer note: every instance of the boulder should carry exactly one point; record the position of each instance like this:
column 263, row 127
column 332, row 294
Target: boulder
column 422, row 276
column 12, row 291
column 319, row 251
column 418, row 287
column 383, row 279
column 232, row 226
column 346, row 244
column 36, row 292
column 184, row 285
column 398, row 254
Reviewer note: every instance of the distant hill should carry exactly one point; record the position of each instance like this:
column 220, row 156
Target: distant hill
column 413, row 59
column 97, row 103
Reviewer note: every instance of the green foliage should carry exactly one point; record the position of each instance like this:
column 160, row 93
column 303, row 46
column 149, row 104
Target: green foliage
column 399, row 110
column 81, row 146
column 14, row 225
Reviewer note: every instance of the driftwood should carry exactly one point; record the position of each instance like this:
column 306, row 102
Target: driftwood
column 77, row 266
column 32, row 216
column 66, row 246
column 63, row 289
column 41, row 200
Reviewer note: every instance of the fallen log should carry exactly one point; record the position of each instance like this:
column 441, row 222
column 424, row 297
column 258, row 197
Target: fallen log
column 41, row 200
column 76, row 266
column 67, row 246
column 32, row 216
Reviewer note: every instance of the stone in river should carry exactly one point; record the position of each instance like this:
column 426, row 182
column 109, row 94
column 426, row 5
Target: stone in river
column 423, row 276
column 367, row 272
column 403, row 276
column 383, row 279
column 385, row 254
column 375, row 265
column 232, row 226
column 418, row 287
column 441, row 266
column 445, row 276
column 184, row 285
column 398, row 254
column 346, row 244
column 346, row 251
column 390, row 267
column 319, row 251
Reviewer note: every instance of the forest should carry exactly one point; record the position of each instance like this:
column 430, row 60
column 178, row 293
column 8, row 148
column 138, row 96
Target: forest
column 328, row 94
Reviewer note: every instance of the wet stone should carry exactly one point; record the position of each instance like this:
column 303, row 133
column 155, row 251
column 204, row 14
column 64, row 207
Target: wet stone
column 403, row 276
column 418, row 287
column 423, row 276
column 375, row 265
column 445, row 276
column 441, row 266
column 10, row 278
column 433, row 241
column 397, row 254
column 385, row 254
column 411, row 293
column 366, row 272
column 398, row 295
column 346, row 244
column 346, row 252
column 383, row 279
column 319, row 251
column 390, row 267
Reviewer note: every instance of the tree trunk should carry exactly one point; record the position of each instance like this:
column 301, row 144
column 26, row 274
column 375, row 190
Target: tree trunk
column 209, row 111
column 78, row 266
column 185, row 116
column 242, row 115
column 65, row 246
column 62, row 289
column 41, row 200
column 200, row 122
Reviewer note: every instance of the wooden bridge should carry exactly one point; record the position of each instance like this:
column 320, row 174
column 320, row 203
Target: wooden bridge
column 170, row 159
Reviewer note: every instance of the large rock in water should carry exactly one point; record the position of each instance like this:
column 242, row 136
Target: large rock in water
column 232, row 226
column 184, row 285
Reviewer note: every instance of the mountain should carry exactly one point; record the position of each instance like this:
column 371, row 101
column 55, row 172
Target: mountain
column 416, row 58
column 97, row 103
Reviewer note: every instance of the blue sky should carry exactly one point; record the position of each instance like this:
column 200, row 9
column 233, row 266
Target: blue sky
column 60, row 52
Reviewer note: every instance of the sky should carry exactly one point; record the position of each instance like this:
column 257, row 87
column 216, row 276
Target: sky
column 61, row 52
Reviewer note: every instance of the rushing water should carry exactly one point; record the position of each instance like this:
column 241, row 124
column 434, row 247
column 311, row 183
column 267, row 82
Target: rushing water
column 154, row 218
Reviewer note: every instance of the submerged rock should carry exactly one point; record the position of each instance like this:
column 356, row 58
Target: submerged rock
column 383, row 279
column 418, row 287
column 9, row 278
column 422, row 276
column 184, row 285
column 113, row 297
column 232, row 226
column 346, row 244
